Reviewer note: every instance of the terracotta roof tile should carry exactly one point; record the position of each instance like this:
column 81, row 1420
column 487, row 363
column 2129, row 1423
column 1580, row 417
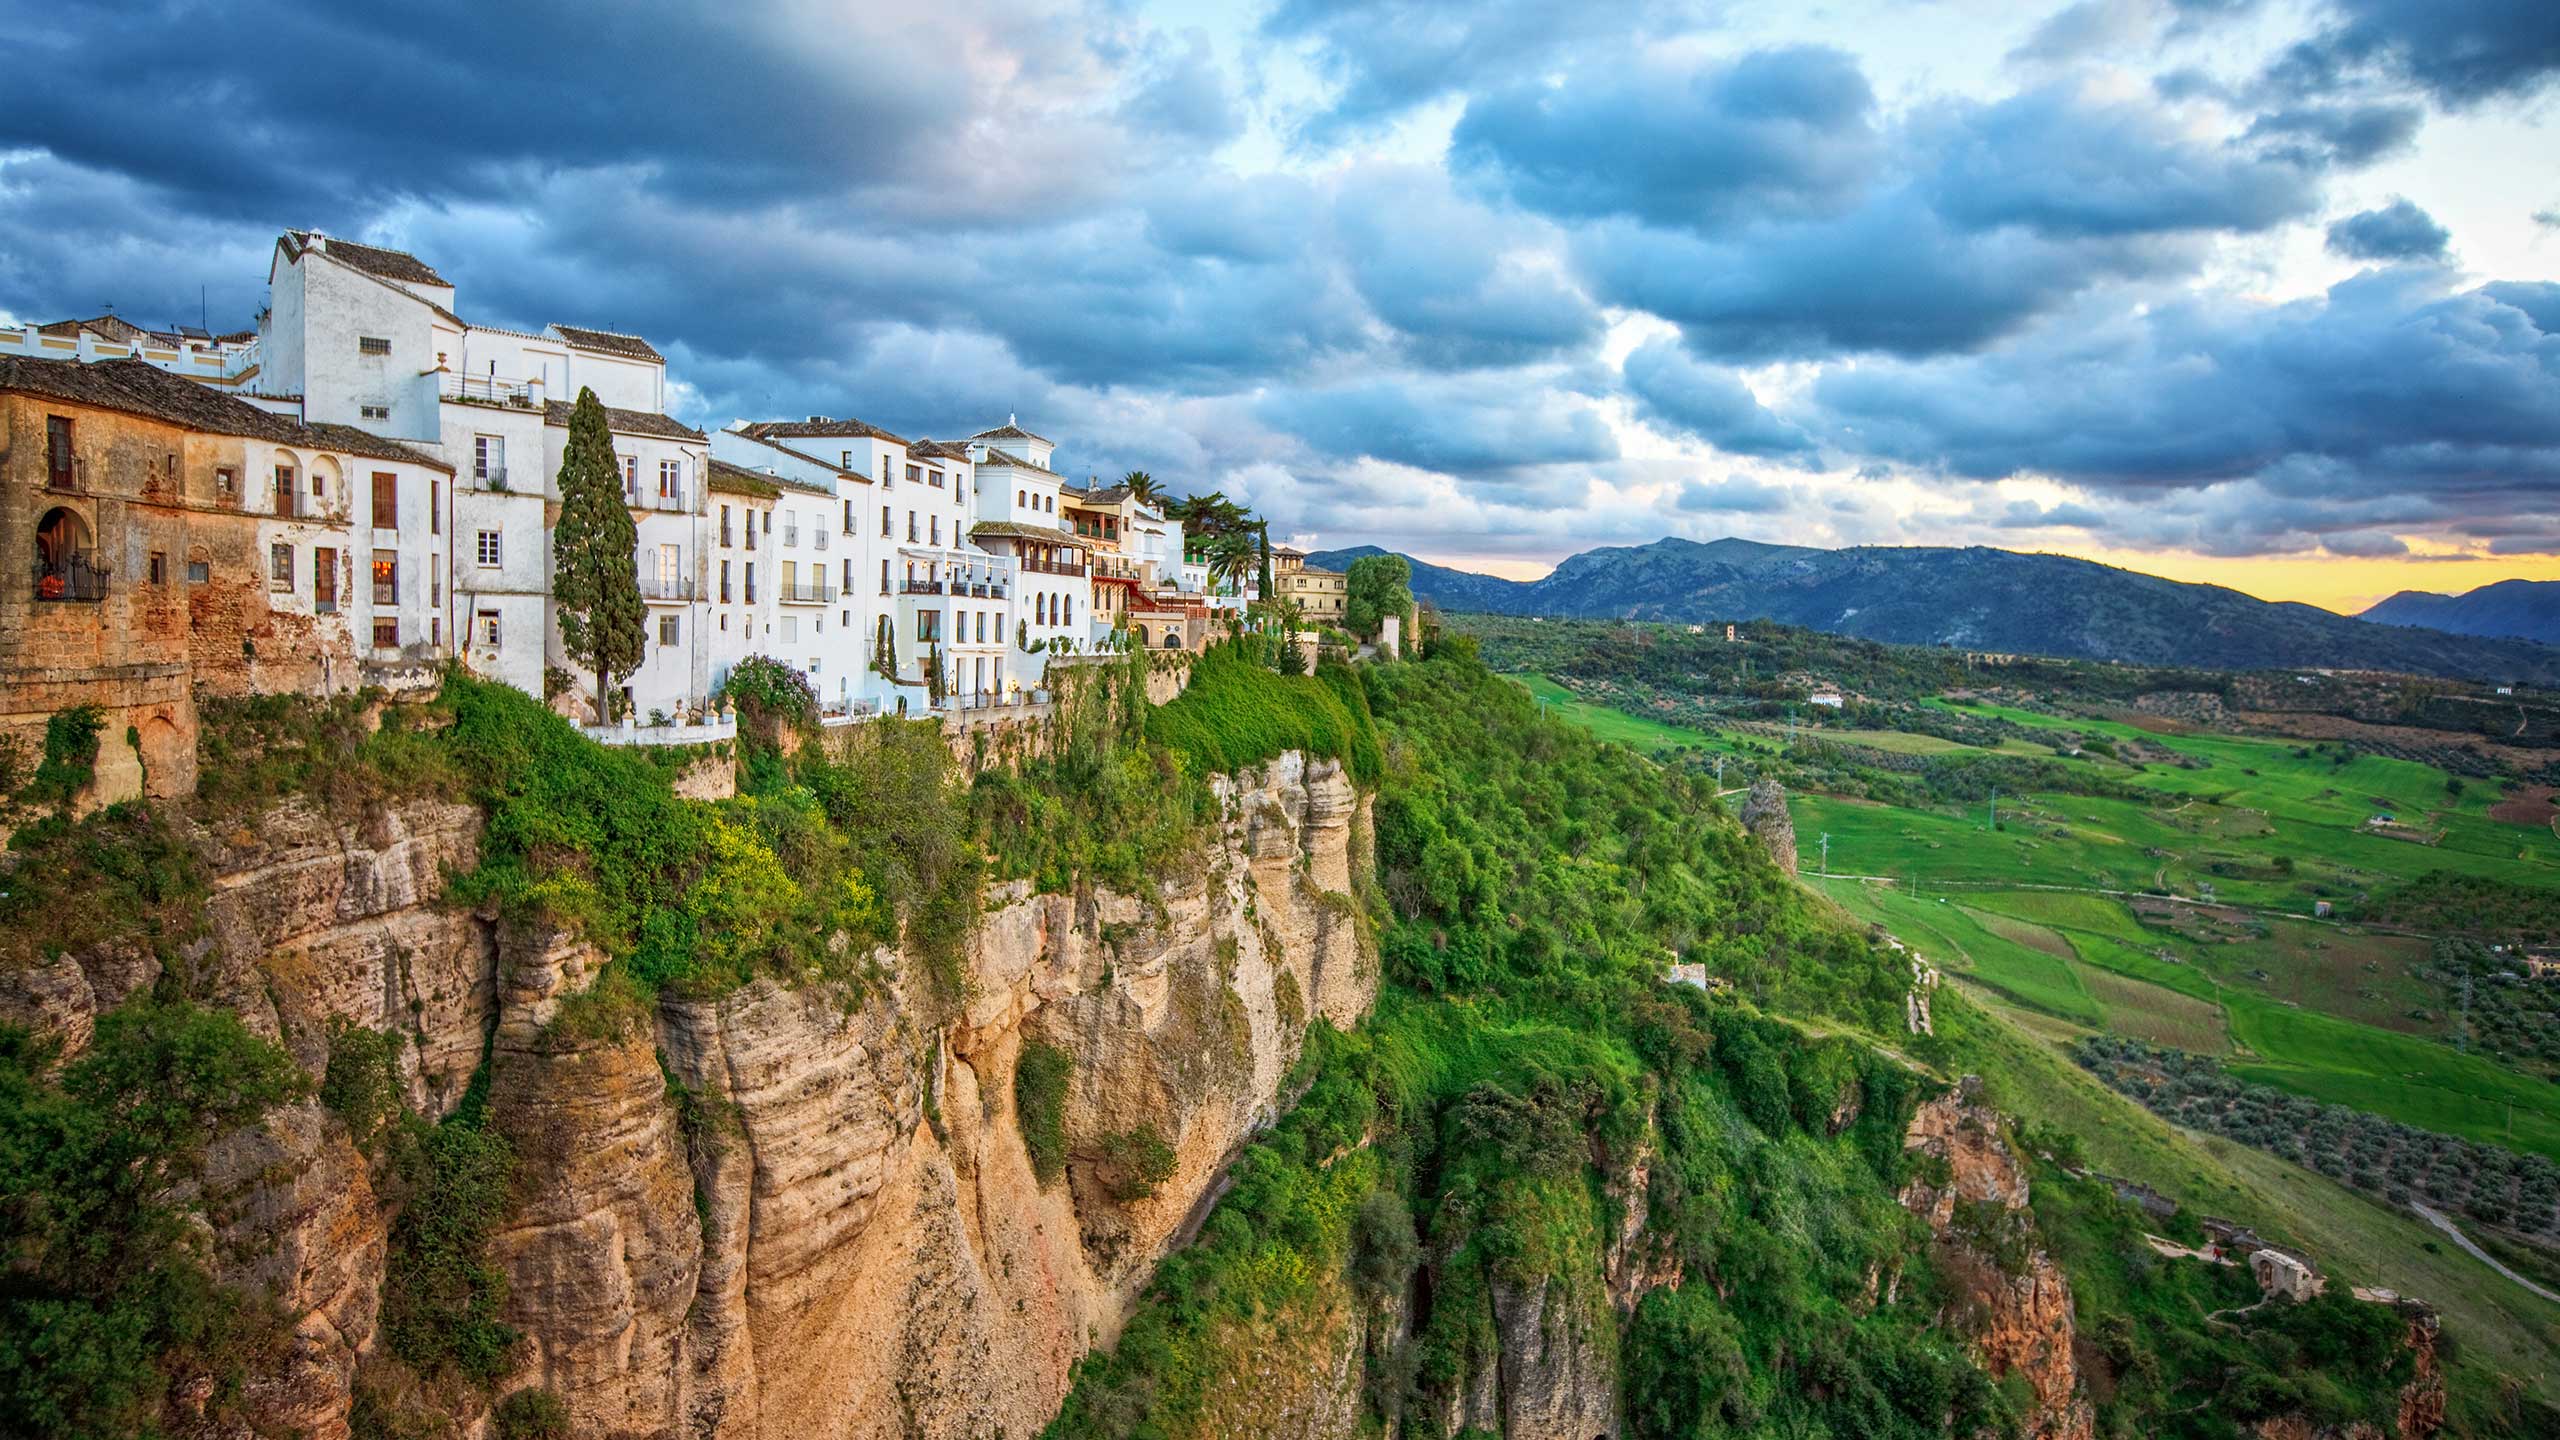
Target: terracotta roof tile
column 625, row 422
column 818, row 428
column 728, row 479
column 395, row 265
column 610, row 342
column 1007, row 457
column 1010, row 431
column 133, row 387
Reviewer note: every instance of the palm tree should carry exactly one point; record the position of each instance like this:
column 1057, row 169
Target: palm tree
column 1232, row 557
column 1144, row 486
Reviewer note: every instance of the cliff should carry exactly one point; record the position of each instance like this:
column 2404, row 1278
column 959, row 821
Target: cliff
column 775, row 1211
column 2013, row 1301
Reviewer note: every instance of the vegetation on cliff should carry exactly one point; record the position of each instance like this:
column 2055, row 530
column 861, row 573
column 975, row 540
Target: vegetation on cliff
column 1539, row 1177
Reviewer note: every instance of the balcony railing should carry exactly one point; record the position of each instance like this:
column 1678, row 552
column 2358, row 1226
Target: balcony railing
column 492, row 476
column 73, row 578
column 64, row 478
column 667, row 587
column 386, row 595
column 818, row 536
column 803, row 592
column 921, row 587
column 790, row 537
column 725, row 541
column 673, row 502
column 1052, row 567
column 486, row 390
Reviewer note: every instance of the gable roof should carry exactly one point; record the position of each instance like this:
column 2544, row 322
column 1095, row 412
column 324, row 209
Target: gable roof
column 1106, row 495
column 1010, row 431
column 817, row 427
column 938, row 450
column 395, row 265
column 610, row 342
column 729, row 479
column 114, row 327
column 1007, row 457
column 133, row 387
column 625, row 422
column 1016, row 530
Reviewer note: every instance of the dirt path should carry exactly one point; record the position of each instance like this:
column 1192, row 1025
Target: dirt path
column 2431, row 1216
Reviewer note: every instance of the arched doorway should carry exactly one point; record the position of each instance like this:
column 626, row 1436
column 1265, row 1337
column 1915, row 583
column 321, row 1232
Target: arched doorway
column 1141, row 632
column 65, row 558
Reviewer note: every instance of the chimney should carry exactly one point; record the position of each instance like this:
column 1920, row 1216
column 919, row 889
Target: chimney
column 817, row 419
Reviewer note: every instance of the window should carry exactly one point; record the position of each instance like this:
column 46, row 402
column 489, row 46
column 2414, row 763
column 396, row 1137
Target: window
column 435, row 580
column 884, row 575
column 884, row 522
column 198, row 572
column 667, row 629
column 671, row 480
column 492, row 551
column 848, row 517
column 487, row 628
column 1022, row 499
column 374, row 412
column 386, row 632
column 937, row 529
column 59, row 470
column 884, row 468
column 435, row 507
column 284, row 490
column 928, row 625
column 724, row 527
column 982, row 627
column 489, row 459
column 911, row 527
column 631, row 477
column 280, row 566
column 751, row 582
column 671, row 571
column 159, row 568
column 324, row 580
column 372, row 345
column 226, row 481
column 435, row 630
column 386, row 500
column 724, row 582
column 386, row 577
column 847, row 462
column 790, row 625
column 934, row 478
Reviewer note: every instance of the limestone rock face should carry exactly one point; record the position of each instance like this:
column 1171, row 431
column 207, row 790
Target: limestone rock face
column 781, row 1212
column 1764, row 814
column 2019, row 1320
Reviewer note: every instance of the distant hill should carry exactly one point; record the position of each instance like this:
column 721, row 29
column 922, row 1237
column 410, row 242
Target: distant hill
column 2514, row 609
column 1975, row 598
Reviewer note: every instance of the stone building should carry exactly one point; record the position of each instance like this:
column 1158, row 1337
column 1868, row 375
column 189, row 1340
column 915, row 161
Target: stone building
column 175, row 541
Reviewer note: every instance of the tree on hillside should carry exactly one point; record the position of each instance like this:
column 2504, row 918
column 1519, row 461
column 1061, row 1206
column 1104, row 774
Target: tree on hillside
column 595, row 575
column 1374, row 588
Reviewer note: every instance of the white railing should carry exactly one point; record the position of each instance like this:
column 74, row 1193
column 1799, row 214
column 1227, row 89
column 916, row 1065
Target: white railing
column 632, row 732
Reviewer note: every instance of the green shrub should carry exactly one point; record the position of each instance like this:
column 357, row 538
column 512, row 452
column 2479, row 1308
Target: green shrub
column 1235, row 714
column 1139, row 1160
column 534, row 1414
column 1040, row 1107
column 441, row 1293
column 70, row 758
column 106, row 1301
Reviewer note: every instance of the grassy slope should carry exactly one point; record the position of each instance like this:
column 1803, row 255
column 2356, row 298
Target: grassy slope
column 2019, row 1051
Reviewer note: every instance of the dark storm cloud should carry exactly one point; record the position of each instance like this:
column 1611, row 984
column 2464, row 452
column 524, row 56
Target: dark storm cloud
column 2459, row 52
column 1449, row 275
column 2353, row 133
column 2397, row 231
column 1788, row 132
column 1383, row 57
column 2386, row 391
column 1800, row 233
column 1675, row 390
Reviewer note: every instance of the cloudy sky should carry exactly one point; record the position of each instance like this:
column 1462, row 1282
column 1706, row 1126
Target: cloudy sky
column 2260, row 291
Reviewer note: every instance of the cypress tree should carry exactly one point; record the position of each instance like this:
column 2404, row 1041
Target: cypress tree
column 1268, row 593
column 595, row 572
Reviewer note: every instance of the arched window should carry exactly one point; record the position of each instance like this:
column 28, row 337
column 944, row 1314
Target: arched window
column 65, row 565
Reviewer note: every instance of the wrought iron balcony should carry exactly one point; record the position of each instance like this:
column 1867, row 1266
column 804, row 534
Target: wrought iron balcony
column 73, row 578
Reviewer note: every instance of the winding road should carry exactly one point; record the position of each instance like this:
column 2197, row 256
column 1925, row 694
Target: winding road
column 2431, row 1216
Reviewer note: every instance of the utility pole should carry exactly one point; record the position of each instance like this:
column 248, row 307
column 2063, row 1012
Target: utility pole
column 1826, row 852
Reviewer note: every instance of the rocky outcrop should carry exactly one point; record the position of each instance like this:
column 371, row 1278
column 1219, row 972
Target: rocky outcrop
column 2013, row 1301
column 1764, row 814
column 778, row 1212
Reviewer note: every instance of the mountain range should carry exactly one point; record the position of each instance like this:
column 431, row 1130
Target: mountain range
column 2513, row 609
column 1976, row 598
